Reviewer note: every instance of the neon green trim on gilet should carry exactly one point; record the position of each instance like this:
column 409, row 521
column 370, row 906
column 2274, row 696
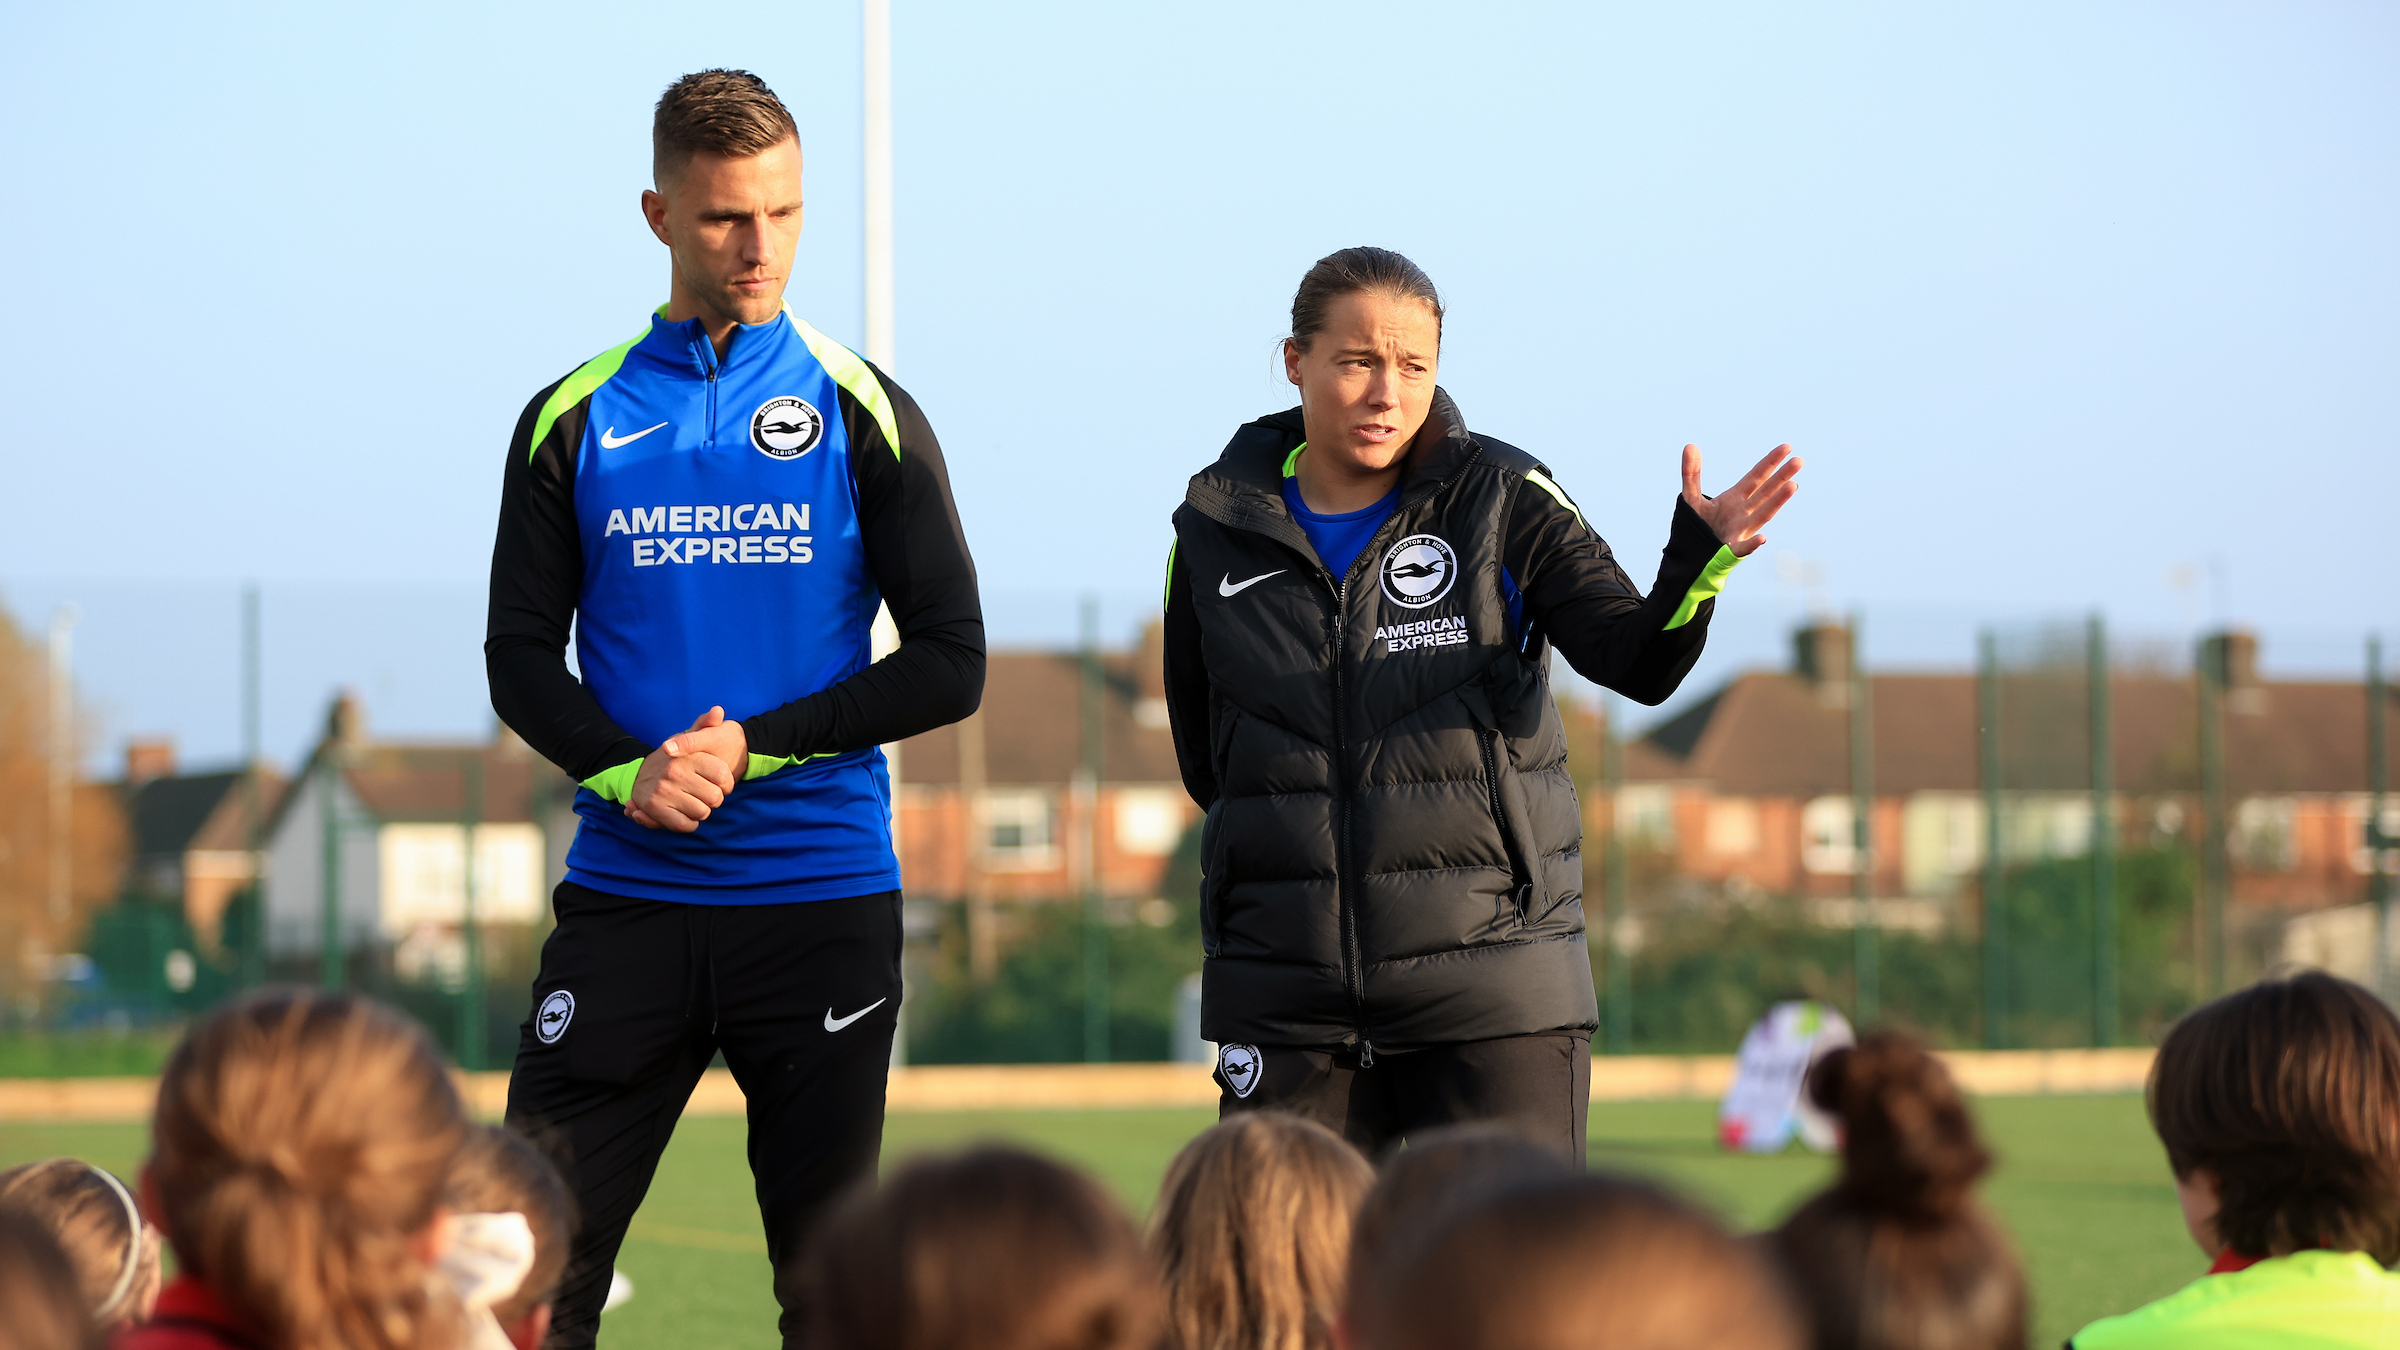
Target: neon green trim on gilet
column 2305, row 1301
column 850, row 371
column 1705, row 588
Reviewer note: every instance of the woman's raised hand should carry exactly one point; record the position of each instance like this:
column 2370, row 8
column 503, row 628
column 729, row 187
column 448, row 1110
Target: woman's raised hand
column 1739, row 512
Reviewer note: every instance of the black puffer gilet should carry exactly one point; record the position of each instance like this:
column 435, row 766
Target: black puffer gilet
column 1394, row 857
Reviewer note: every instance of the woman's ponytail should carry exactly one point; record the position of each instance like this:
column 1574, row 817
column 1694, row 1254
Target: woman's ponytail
column 1908, row 1143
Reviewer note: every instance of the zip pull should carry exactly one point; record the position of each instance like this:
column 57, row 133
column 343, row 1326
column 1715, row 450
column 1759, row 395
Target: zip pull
column 1366, row 1054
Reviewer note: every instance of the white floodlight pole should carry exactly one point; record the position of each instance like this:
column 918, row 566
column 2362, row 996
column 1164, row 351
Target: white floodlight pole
column 877, row 17
column 875, row 21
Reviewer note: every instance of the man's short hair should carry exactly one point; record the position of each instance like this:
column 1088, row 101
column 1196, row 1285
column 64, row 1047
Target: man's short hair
column 725, row 112
column 2289, row 1092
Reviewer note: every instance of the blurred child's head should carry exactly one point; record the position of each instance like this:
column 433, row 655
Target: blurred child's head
column 2280, row 1110
column 1438, row 1170
column 990, row 1249
column 500, row 1172
column 300, row 1149
column 1895, row 1254
column 97, row 1225
column 1252, row 1234
column 1568, row 1263
column 41, row 1299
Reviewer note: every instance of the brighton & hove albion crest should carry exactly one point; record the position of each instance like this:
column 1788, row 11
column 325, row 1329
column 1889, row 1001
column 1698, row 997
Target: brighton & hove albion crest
column 1418, row 571
column 1239, row 1066
column 550, row 1020
column 786, row 427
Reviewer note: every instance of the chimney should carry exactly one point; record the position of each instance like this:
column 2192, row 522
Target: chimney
column 2231, row 656
column 148, row 757
column 346, row 722
column 1821, row 658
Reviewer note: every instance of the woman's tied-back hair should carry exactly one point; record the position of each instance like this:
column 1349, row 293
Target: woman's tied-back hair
column 1570, row 1263
column 990, row 1249
column 97, row 1225
column 1896, row 1255
column 301, row 1140
column 1252, row 1234
column 1350, row 271
column 724, row 112
column 2289, row 1092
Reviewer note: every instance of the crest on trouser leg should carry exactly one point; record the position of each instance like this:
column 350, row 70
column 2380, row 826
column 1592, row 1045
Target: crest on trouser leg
column 1238, row 1068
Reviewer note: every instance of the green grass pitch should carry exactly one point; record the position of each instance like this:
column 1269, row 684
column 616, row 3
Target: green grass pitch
column 2082, row 1184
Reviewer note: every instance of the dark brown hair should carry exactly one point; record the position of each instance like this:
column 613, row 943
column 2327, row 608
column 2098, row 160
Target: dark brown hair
column 302, row 1141
column 1569, row 1263
column 97, row 1225
column 1437, row 1171
column 2289, row 1092
column 499, row 1171
column 38, row 1290
column 1896, row 1255
column 1252, row 1234
column 724, row 112
column 1350, row 271
column 991, row 1249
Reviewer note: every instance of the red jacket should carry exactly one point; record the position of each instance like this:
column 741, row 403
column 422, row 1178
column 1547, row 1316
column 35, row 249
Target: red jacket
column 189, row 1317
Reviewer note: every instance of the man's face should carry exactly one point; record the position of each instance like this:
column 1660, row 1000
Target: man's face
column 731, row 225
column 1366, row 380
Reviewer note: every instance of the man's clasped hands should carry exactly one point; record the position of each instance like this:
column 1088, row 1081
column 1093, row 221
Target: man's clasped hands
column 689, row 776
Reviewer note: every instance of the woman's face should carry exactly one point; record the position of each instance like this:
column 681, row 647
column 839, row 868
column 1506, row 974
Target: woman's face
column 1366, row 380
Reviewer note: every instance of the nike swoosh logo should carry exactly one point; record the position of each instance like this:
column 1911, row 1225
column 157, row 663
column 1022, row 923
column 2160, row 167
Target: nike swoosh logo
column 1228, row 586
column 833, row 1023
column 610, row 440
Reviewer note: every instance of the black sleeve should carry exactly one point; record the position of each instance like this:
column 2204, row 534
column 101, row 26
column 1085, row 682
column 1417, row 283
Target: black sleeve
column 1187, row 689
column 1592, row 612
column 537, row 572
column 917, row 555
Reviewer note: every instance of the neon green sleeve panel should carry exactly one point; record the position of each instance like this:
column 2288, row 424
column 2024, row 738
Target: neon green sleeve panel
column 615, row 784
column 1542, row 481
column 576, row 388
column 1711, row 581
column 762, row 765
column 850, row 371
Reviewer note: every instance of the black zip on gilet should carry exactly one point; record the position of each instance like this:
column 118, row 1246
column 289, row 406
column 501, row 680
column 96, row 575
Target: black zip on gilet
column 1394, row 859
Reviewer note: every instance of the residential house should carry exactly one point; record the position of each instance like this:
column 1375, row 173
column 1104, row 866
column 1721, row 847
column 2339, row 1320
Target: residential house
column 192, row 835
column 388, row 823
column 1750, row 789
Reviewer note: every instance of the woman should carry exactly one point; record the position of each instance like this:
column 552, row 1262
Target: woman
column 1360, row 605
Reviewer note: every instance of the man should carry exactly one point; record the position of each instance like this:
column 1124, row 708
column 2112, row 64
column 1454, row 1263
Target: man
column 714, row 510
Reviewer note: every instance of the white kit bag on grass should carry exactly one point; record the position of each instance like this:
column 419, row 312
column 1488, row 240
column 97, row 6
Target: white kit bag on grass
column 1765, row 1106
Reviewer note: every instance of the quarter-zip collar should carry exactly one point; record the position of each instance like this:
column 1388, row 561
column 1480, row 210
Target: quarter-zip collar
column 685, row 344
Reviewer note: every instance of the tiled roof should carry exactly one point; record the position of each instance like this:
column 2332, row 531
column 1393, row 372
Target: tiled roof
column 1774, row 735
column 1032, row 724
column 397, row 781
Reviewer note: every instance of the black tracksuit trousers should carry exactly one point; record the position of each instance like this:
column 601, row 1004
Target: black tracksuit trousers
column 1539, row 1085
column 803, row 1000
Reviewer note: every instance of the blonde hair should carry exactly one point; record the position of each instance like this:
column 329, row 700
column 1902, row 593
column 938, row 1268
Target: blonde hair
column 98, row 1227
column 37, row 1290
column 1253, row 1234
column 302, row 1141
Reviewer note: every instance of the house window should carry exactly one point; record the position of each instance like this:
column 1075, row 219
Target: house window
column 1733, row 826
column 2263, row 837
column 1647, row 815
column 1826, row 845
column 1941, row 840
column 1020, row 832
column 2355, row 810
column 1149, row 821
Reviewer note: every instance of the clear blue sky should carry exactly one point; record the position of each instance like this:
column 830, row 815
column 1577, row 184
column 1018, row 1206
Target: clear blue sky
column 2054, row 298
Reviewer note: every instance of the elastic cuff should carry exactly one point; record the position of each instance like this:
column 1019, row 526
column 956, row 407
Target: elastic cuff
column 615, row 784
column 1705, row 588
